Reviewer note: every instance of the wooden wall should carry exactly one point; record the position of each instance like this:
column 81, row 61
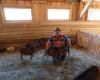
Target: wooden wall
column 19, row 33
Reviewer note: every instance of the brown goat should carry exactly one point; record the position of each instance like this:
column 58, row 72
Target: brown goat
column 42, row 42
column 29, row 49
column 55, row 53
column 92, row 73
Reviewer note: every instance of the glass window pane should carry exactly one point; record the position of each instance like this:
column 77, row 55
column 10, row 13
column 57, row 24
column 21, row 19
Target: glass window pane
column 94, row 14
column 58, row 14
column 17, row 14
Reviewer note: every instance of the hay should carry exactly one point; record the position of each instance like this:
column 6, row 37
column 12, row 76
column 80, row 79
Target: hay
column 10, row 49
column 11, row 67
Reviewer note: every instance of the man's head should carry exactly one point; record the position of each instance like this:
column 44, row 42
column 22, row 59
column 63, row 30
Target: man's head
column 57, row 31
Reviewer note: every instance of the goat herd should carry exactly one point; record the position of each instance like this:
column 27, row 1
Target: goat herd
column 92, row 73
column 54, row 52
column 32, row 47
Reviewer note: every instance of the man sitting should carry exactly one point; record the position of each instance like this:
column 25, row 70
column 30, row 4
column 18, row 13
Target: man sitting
column 59, row 40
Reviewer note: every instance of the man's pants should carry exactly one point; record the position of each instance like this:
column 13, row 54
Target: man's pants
column 62, row 57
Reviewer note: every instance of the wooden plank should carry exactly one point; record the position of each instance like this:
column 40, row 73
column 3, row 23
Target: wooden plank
column 0, row 2
column 3, row 1
column 28, row 2
column 21, row 2
column 58, row 5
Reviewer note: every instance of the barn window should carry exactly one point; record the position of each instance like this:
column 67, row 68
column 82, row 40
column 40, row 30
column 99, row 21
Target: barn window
column 58, row 14
column 94, row 14
column 15, row 14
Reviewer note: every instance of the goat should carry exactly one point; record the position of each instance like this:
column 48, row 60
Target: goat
column 42, row 42
column 55, row 53
column 92, row 73
column 29, row 49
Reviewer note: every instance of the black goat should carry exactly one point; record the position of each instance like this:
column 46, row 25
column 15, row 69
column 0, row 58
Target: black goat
column 92, row 73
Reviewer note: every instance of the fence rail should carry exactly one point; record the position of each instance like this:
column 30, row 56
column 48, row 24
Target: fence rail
column 89, row 41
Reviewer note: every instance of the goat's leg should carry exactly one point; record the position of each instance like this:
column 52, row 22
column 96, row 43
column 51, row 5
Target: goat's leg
column 21, row 57
column 59, row 61
column 68, row 50
column 54, row 60
column 44, row 56
column 31, row 56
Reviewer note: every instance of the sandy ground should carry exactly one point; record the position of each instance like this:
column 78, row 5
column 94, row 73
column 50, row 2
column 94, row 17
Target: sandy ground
column 12, row 68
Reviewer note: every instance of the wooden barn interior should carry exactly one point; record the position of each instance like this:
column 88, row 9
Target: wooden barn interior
column 24, row 21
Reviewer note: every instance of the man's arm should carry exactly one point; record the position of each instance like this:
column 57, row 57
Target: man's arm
column 67, row 40
column 49, row 42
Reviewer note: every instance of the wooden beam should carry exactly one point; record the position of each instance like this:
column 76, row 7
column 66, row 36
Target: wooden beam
column 74, row 1
column 0, row 1
column 85, row 8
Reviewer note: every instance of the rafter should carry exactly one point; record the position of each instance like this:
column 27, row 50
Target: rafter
column 85, row 8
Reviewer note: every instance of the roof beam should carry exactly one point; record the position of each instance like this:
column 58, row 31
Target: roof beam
column 85, row 8
column 74, row 1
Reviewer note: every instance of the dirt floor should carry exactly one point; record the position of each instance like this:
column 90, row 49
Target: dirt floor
column 12, row 68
